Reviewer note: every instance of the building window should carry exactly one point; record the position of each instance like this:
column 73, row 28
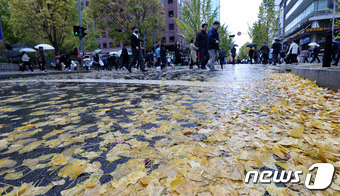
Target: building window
column 163, row 40
column 170, row 2
column 104, row 45
column 172, row 39
column 104, row 34
column 111, row 45
column 118, row 45
column 87, row 3
column 171, row 27
column 171, row 14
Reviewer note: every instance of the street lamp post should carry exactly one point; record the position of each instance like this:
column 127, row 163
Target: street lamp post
column 334, row 10
column 81, row 37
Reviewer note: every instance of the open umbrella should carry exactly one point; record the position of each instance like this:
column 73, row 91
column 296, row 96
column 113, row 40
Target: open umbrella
column 27, row 50
column 252, row 45
column 44, row 46
column 233, row 45
column 96, row 51
column 313, row 44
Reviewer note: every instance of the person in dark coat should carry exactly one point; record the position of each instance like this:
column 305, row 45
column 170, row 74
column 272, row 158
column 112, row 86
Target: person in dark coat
column 276, row 51
column 202, row 44
column 137, row 55
column 222, row 57
column 265, row 53
column 316, row 52
column 124, row 57
column 163, row 57
column 251, row 55
column 96, row 61
column 256, row 55
column 233, row 54
column 238, row 59
column 335, row 51
column 178, row 56
column 213, row 45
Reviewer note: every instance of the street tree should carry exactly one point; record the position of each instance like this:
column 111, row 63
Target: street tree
column 244, row 50
column 265, row 28
column 46, row 20
column 5, row 16
column 89, row 42
column 193, row 14
column 119, row 16
column 224, row 40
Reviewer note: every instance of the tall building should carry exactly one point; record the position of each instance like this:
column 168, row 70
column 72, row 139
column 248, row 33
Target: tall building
column 105, row 42
column 216, row 4
column 306, row 21
column 172, row 11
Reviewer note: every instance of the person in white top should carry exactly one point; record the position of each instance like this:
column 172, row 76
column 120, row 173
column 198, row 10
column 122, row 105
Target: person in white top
column 26, row 62
column 293, row 52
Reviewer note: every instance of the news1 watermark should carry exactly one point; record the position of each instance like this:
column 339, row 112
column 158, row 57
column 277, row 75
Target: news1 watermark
column 323, row 177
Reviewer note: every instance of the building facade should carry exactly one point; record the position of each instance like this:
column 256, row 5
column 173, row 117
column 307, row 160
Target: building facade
column 172, row 11
column 305, row 21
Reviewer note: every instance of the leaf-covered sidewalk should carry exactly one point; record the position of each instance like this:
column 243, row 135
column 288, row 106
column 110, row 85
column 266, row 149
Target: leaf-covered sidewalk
column 127, row 139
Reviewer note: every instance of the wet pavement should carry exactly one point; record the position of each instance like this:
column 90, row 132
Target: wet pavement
column 102, row 132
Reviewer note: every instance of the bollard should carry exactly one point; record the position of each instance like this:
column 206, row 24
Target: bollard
column 327, row 58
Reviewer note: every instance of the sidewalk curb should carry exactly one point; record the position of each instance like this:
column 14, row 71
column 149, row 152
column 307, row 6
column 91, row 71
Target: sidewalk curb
column 324, row 77
column 6, row 76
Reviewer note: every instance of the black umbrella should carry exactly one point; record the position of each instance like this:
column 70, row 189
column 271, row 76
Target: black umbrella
column 233, row 45
column 252, row 45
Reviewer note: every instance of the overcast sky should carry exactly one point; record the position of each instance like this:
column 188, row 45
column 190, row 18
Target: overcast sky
column 237, row 14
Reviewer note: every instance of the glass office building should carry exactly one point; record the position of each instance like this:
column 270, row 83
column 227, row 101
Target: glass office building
column 305, row 21
column 216, row 4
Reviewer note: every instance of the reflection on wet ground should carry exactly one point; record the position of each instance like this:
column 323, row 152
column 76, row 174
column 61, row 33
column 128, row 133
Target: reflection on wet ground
column 73, row 134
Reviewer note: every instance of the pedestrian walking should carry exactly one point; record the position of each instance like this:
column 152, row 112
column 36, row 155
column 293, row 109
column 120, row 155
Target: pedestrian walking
column 238, row 59
column 233, row 54
column 316, row 52
column 41, row 56
column 335, row 51
column 26, row 62
column 168, row 58
column 96, row 62
column 256, row 55
column 202, row 45
column 293, row 53
column 265, row 53
column 158, row 56
column 137, row 55
column 276, row 51
column 163, row 57
column 124, row 57
column 193, row 54
column 251, row 54
column 178, row 56
column 213, row 45
column 305, row 56
column 222, row 57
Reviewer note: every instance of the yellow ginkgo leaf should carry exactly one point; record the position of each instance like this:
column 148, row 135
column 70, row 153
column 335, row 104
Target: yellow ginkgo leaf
column 175, row 115
column 296, row 132
column 73, row 170
column 14, row 176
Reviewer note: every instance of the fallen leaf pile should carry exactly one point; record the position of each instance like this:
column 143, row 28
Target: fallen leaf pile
column 119, row 139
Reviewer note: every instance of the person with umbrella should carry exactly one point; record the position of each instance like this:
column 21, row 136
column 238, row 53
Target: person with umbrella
column 251, row 55
column 335, row 51
column 265, row 53
column 233, row 54
column 276, row 51
column 41, row 56
column 316, row 52
column 26, row 62
column 137, row 55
